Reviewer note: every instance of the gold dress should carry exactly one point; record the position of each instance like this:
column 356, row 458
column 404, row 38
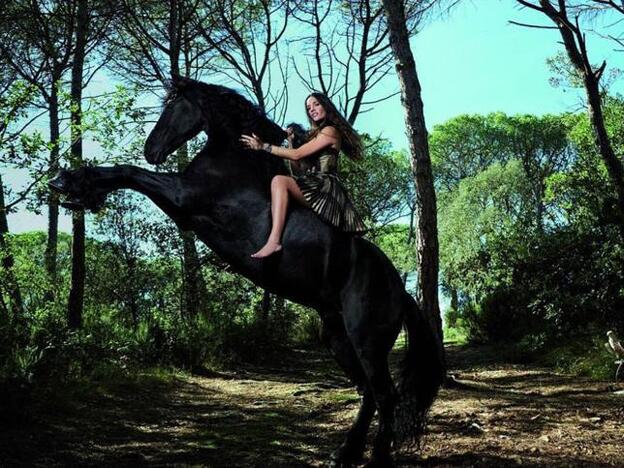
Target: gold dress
column 317, row 178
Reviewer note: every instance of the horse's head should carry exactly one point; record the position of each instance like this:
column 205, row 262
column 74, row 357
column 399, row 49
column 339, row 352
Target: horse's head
column 180, row 120
column 192, row 106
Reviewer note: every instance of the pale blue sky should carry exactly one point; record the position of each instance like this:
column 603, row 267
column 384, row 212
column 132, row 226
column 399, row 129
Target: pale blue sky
column 472, row 61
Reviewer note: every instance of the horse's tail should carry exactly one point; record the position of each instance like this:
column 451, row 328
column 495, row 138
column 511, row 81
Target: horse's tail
column 422, row 372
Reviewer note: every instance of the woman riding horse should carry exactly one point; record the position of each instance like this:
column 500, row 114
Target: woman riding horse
column 359, row 295
column 317, row 185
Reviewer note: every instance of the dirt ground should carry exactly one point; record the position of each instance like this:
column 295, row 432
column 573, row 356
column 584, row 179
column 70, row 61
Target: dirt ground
column 293, row 412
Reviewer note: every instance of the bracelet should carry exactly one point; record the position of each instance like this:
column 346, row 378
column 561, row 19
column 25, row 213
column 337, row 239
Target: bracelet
column 268, row 147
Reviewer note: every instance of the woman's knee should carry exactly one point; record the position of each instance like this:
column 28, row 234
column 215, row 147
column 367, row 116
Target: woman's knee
column 279, row 182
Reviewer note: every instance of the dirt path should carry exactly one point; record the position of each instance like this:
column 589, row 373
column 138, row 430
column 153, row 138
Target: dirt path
column 295, row 414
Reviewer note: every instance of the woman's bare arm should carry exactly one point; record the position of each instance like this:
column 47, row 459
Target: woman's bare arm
column 328, row 136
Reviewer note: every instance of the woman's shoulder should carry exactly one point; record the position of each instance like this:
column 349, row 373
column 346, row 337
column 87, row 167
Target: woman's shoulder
column 330, row 131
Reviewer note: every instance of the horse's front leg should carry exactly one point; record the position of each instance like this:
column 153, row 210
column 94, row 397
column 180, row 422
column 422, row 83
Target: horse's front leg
column 87, row 187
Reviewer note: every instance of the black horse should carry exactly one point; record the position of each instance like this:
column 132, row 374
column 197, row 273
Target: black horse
column 223, row 196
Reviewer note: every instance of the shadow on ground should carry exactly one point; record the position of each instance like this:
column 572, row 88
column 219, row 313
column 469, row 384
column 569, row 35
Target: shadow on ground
column 293, row 410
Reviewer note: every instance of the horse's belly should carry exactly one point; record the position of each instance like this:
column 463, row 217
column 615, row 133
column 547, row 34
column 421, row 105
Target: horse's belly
column 311, row 267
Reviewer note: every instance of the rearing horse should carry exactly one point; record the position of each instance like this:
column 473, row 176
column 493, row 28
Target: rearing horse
column 223, row 196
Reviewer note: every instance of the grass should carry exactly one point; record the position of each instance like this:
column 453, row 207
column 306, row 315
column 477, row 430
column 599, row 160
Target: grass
column 455, row 336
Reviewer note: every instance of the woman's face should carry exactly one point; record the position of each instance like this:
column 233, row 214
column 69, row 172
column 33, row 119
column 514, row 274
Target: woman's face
column 315, row 110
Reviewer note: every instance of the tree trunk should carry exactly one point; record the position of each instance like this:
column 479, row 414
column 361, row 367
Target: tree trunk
column 265, row 310
column 454, row 307
column 11, row 286
column 76, row 293
column 410, row 236
column 194, row 286
column 53, row 198
column 603, row 143
column 576, row 48
column 427, row 249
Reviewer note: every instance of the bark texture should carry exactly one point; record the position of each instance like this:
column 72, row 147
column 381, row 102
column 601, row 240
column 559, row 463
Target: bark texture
column 426, row 211
column 76, row 293
column 53, row 200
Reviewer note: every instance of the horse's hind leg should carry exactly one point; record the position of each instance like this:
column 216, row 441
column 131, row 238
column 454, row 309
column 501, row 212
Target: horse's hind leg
column 352, row 449
column 372, row 343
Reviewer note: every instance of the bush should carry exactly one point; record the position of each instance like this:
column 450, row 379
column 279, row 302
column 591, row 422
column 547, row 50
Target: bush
column 588, row 358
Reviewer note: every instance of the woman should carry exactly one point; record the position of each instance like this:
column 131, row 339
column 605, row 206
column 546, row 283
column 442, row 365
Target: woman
column 314, row 164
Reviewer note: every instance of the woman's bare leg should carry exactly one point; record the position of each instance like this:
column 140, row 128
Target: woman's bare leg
column 281, row 188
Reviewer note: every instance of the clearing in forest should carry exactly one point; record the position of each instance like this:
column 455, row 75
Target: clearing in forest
column 292, row 411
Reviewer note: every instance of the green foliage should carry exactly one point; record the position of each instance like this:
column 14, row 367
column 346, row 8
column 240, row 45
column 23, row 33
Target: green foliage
column 565, row 75
column 14, row 103
column 478, row 222
column 392, row 239
column 380, row 185
column 465, row 145
column 455, row 335
column 527, row 236
column 113, row 338
column 307, row 331
column 585, row 195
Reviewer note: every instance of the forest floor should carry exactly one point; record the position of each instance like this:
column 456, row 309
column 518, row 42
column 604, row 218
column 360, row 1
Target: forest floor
column 292, row 411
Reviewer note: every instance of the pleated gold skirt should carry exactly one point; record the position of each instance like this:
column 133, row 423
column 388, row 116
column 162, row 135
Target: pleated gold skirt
column 329, row 200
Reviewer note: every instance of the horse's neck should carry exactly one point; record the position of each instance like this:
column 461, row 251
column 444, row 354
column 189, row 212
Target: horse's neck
column 234, row 164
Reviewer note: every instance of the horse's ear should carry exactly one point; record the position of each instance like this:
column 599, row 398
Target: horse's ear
column 179, row 81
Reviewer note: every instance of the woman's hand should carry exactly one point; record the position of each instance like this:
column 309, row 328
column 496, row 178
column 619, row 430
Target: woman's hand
column 252, row 141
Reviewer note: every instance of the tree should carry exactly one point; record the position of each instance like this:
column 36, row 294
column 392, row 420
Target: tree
column 76, row 293
column 154, row 40
column 379, row 184
column 15, row 97
column 428, row 249
column 88, row 35
column 466, row 145
column 484, row 213
column 350, row 78
column 247, row 37
column 37, row 42
column 123, row 226
column 583, row 194
column 573, row 38
column 10, row 287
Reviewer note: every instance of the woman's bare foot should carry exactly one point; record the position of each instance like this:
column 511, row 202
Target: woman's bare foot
column 268, row 249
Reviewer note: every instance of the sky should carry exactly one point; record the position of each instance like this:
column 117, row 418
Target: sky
column 470, row 61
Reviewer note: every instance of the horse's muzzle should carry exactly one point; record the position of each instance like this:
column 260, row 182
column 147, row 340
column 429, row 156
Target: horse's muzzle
column 155, row 157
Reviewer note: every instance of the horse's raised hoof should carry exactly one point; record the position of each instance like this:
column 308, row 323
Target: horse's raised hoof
column 60, row 183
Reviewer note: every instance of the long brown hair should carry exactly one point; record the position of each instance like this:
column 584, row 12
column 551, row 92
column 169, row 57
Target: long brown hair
column 351, row 142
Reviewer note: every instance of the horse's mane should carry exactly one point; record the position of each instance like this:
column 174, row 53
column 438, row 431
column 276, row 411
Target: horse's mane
column 244, row 115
